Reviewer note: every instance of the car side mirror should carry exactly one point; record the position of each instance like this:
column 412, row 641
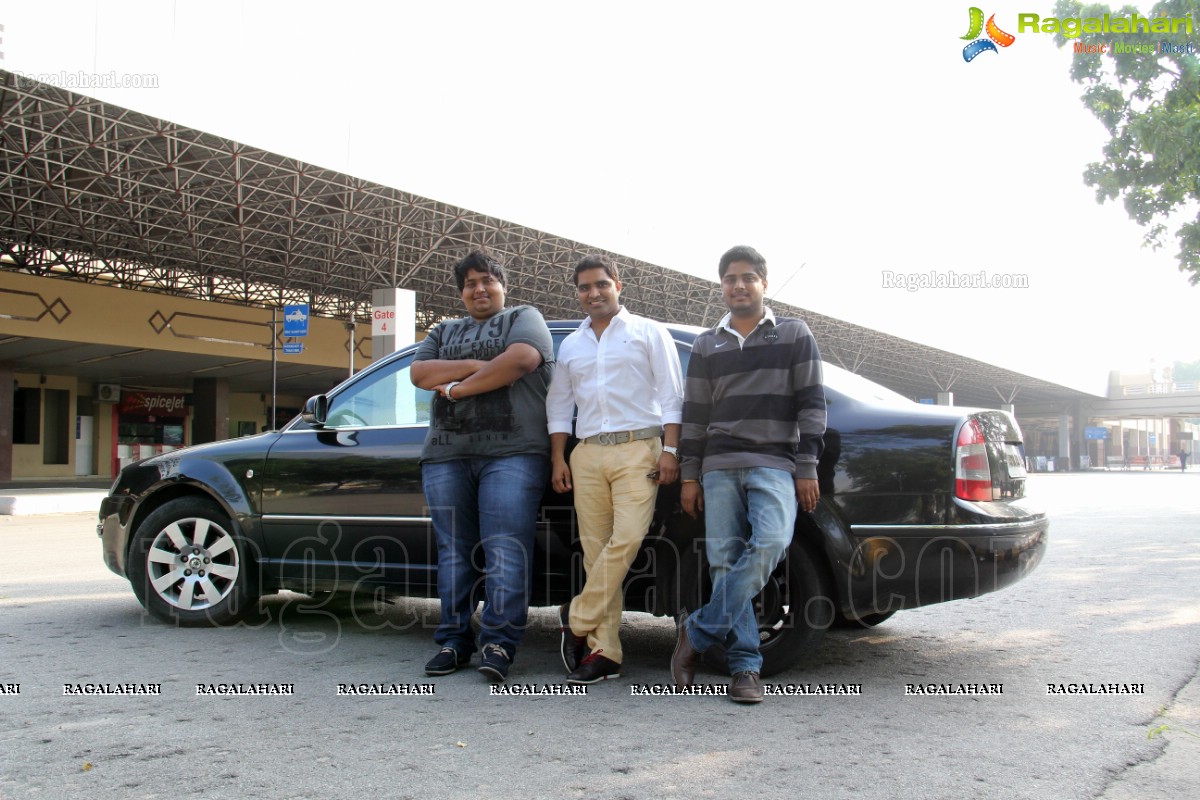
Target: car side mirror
column 316, row 410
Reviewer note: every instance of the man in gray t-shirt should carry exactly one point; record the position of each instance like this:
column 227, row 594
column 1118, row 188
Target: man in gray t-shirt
column 509, row 420
column 485, row 464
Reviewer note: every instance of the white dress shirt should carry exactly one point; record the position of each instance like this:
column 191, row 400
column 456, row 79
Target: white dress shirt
column 627, row 380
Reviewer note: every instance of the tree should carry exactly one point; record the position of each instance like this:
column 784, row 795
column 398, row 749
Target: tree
column 1187, row 371
column 1149, row 101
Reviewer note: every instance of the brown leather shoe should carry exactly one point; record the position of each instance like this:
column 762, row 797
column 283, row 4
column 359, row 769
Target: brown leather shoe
column 685, row 657
column 746, row 687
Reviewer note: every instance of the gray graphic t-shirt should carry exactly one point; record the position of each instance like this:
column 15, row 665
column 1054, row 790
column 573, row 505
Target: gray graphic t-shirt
column 508, row 421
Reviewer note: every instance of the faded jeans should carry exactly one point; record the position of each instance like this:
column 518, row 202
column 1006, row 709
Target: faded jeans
column 484, row 514
column 749, row 518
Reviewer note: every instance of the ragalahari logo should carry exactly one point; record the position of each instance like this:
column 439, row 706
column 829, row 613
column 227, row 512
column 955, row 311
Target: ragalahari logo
column 995, row 36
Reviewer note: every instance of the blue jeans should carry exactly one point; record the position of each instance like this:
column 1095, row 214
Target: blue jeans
column 484, row 514
column 749, row 518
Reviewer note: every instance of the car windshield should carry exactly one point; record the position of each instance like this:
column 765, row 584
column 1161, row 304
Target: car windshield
column 847, row 383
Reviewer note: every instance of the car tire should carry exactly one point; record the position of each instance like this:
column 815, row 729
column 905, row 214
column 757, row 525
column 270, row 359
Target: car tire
column 842, row 621
column 794, row 609
column 692, row 582
column 188, row 565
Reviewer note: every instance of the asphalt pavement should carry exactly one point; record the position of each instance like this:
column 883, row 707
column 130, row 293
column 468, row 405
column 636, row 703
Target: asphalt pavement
column 1168, row 765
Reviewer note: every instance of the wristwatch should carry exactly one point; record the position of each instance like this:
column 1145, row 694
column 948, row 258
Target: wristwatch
column 446, row 391
column 667, row 448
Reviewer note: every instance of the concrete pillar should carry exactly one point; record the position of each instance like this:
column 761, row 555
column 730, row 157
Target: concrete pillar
column 7, row 382
column 393, row 320
column 1079, row 445
column 1062, row 462
column 945, row 398
column 210, row 410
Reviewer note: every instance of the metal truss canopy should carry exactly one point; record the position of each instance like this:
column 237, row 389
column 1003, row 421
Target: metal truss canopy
column 93, row 192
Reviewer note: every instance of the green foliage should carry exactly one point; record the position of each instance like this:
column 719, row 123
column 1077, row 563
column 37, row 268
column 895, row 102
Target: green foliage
column 1185, row 371
column 1161, row 729
column 1150, row 104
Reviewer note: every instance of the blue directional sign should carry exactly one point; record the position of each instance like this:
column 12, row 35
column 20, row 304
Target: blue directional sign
column 293, row 348
column 295, row 320
column 1090, row 432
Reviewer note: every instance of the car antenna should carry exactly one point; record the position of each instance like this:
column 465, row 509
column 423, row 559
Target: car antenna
column 775, row 294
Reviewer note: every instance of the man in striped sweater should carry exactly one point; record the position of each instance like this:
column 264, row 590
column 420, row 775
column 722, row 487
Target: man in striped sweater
column 753, row 422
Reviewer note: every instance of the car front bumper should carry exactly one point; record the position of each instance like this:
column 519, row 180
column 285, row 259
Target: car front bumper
column 113, row 530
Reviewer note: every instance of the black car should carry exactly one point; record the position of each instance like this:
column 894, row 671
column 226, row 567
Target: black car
column 920, row 504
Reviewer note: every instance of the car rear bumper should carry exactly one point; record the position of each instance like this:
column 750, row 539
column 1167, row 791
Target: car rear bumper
column 907, row 566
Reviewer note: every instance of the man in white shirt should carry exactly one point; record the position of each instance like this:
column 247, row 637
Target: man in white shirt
column 622, row 372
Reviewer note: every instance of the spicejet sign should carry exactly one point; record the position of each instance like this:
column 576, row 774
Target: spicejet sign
column 154, row 403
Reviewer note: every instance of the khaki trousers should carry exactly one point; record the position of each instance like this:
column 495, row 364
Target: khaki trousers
column 614, row 503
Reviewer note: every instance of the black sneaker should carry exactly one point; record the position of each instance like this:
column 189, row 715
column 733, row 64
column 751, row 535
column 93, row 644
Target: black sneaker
column 572, row 646
column 496, row 662
column 446, row 661
column 593, row 669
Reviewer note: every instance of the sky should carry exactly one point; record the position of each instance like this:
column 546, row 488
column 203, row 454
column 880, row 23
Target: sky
column 851, row 145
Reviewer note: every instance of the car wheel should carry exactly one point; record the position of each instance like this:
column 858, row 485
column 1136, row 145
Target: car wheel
column 188, row 565
column 794, row 609
column 864, row 621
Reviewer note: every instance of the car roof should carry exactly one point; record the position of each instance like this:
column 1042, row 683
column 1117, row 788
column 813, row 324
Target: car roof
column 836, row 378
column 682, row 333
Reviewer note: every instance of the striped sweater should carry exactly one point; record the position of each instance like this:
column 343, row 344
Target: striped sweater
column 758, row 405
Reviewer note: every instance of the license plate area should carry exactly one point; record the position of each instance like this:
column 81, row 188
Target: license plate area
column 1014, row 460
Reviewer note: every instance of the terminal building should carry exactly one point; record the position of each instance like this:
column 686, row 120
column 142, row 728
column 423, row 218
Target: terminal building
column 145, row 269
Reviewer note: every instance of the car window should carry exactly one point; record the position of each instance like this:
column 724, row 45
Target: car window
column 558, row 336
column 385, row 397
column 685, row 352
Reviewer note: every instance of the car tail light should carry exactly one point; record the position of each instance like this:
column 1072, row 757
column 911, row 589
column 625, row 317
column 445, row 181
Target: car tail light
column 972, row 473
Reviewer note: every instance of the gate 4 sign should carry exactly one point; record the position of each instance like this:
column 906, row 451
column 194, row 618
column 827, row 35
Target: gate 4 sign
column 383, row 321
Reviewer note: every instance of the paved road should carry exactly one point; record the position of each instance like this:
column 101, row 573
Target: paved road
column 1115, row 602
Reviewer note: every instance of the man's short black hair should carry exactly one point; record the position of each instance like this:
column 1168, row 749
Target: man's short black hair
column 597, row 261
column 479, row 261
column 743, row 253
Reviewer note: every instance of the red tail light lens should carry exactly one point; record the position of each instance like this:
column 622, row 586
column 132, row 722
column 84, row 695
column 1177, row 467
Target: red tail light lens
column 972, row 473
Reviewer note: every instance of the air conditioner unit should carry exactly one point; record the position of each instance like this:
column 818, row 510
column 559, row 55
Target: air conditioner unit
column 108, row 392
